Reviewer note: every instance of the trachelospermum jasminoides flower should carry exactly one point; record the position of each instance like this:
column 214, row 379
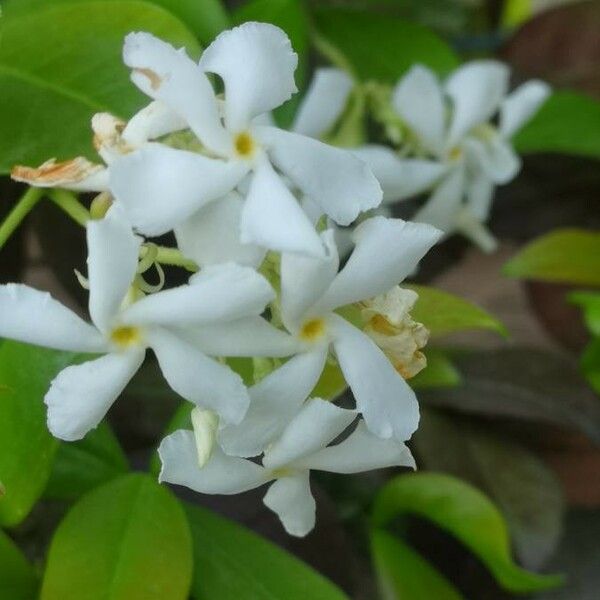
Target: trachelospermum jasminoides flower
column 125, row 325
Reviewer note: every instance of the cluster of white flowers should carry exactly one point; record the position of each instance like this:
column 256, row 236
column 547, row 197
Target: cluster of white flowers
column 256, row 209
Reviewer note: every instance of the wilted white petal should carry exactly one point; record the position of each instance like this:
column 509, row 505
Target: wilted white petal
column 290, row 498
column 217, row 293
column 170, row 76
column 337, row 180
column 257, row 64
column 212, row 235
column 521, row 105
column 476, row 89
column 361, row 451
column 304, row 280
column 198, row 378
column 77, row 174
column 419, row 101
column 272, row 217
column 159, row 187
column 386, row 401
column 81, row 395
column 222, row 474
column 400, row 178
column 323, row 102
column 250, row 336
column 385, row 252
column 28, row 315
column 273, row 403
column 153, row 121
column 113, row 252
column 317, row 424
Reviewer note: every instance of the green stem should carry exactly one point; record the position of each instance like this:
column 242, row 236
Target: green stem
column 68, row 202
column 173, row 257
column 27, row 201
column 333, row 54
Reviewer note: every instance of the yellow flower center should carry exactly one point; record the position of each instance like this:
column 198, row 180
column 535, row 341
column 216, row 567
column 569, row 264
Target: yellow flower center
column 126, row 336
column 455, row 154
column 312, row 330
column 244, row 144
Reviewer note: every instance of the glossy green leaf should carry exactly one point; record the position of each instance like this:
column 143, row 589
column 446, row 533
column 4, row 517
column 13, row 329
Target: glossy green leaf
column 467, row 514
column 126, row 540
column 382, row 47
column 81, row 466
column 439, row 372
column 590, row 304
column 61, row 64
column 26, row 447
column 568, row 123
column 565, row 255
column 443, row 313
column 232, row 563
column 18, row 580
column 403, row 574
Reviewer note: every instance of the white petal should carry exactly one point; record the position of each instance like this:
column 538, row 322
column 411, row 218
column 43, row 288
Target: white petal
column 419, row 101
column 386, row 251
column 387, row 402
column 471, row 227
column 221, row 475
column 316, row 425
column 400, row 178
column 198, row 378
column 272, row 217
column 153, row 121
column 480, row 193
column 323, row 102
column 290, row 498
column 170, row 76
column 159, row 187
column 250, row 336
column 257, row 64
column 361, row 451
column 81, row 395
column 34, row 317
column 441, row 209
column 273, row 403
column 521, row 105
column 495, row 156
column 212, row 235
column 337, row 180
column 304, row 280
column 476, row 89
column 217, row 293
column 113, row 252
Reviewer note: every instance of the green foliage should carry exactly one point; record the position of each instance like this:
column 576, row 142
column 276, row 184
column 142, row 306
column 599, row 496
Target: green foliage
column 590, row 364
column 81, row 466
column 61, row 64
column 232, row 563
column 380, row 46
column 590, row 305
column 402, row 574
column 443, row 313
column 126, row 540
column 565, row 255
column 465, row 513
column 26, row 447
column 18, row 580
column 568, row 122
column 439, row 372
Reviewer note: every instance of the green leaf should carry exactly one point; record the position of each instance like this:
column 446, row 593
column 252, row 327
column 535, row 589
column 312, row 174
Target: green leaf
column 590, row 364
column 466, row 513
column 403, row 574
column 18, row 580
column 127, row 540
column 439, row 372
column 566, row 255
column 382, row 47
column 590, row 304
column 443, row 313
column 568, row 123
column 81, row 466
column 232, row 563
column 26, row 447
column 291, row 16
column 61, row 64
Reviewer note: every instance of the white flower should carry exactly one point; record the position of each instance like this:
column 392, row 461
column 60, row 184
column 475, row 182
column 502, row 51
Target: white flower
column 161, row 187
column 122, row 331
column 302, row 446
